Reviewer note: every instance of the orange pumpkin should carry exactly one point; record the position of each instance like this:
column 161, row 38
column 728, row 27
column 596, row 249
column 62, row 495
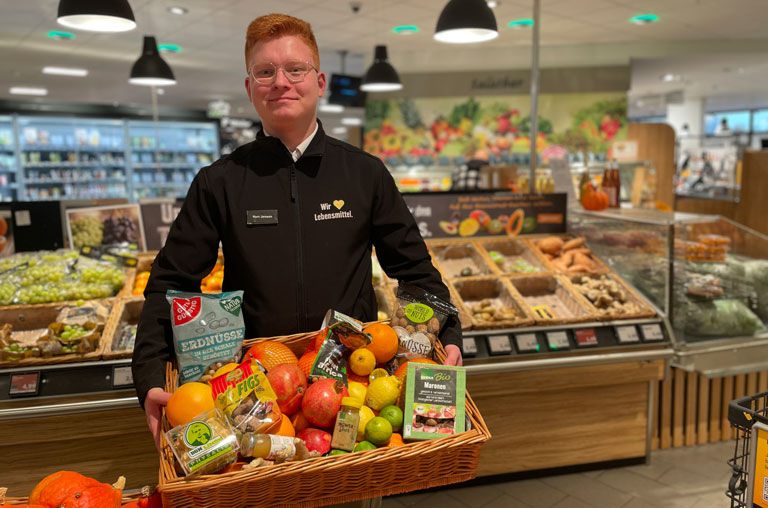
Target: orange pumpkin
column 73, row 490
column 593, row 199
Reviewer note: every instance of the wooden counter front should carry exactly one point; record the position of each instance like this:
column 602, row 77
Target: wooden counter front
column 101, row 444
column 563, row 417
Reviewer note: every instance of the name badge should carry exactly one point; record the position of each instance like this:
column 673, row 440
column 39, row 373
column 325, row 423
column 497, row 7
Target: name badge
column 261, row 217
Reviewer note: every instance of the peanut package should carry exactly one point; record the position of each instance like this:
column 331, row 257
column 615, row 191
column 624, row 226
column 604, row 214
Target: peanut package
column 418, row 318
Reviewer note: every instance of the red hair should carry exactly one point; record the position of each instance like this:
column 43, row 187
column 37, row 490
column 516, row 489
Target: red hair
column 272, row 26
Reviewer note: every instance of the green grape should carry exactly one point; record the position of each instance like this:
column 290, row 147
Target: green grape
column 6, row 293
column 87, row 231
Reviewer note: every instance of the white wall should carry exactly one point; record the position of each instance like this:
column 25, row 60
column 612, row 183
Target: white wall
column 690, row 112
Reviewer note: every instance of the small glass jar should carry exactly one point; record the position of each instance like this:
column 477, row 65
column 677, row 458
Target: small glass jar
column 347, row 421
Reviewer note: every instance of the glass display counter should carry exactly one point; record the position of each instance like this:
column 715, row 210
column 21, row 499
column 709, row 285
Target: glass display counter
column 707, row 274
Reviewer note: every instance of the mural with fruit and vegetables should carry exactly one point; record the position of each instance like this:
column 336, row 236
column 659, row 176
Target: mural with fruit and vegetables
column 449, row 130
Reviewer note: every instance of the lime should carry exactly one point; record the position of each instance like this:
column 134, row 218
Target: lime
column 378, row 431
column 377, row 373
column 366, row 415
column 357, row 391
column 363, row 446
column 394, row 415
column 338, row 452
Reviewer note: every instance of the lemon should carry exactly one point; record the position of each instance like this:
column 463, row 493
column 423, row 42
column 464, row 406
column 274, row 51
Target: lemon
column 382, row 392
column 366, row 415
column 362, row 361
column 394, row 415
column 357, row 391
column 378, row 431
column 377, row 373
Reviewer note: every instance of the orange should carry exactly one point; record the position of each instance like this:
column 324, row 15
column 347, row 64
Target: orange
column 403, row 368
column 306, row 361
column 286, row 427
column 384, row 341
column 362, row 361
column 395, row 440
column 271, row 354
column 187, row 402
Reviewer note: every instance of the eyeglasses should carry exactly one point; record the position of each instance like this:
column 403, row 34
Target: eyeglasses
column 294, row 72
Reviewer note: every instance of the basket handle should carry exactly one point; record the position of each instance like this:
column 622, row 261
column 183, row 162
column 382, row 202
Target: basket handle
column 741, row 414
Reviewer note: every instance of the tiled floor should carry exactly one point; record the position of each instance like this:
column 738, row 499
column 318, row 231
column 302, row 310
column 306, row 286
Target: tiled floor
column 694, row 477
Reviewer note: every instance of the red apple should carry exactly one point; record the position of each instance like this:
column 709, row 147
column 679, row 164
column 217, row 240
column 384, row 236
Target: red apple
column 317, row 440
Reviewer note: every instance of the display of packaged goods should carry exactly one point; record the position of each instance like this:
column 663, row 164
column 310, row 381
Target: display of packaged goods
column 549, row 299
column 56, row 276
column 492, row 303
column 512, row 256
column 460, row 260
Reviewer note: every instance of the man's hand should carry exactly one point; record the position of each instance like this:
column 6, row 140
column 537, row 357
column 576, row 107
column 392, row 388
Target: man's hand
column 454, row 355
column 156, row 399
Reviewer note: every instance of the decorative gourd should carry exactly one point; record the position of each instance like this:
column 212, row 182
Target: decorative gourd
column 67, row 489
column 593, row 199
column 3, row 492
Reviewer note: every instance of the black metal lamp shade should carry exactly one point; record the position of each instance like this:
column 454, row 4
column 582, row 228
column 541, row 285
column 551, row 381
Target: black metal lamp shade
column 381, row 76
column 466, row 21
column 150, row 69
column 97, row 15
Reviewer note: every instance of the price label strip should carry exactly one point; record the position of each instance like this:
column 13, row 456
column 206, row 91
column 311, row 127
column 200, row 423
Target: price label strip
column 527, row 343
column 558, row 340
column 585, row 337
column 24, row 385
column 627, row 334
column 652, row 333
column 499, row 344
column 469, row 346
column 122, row 376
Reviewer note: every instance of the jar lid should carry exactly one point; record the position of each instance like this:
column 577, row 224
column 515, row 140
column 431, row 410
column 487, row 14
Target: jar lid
column 351, row 402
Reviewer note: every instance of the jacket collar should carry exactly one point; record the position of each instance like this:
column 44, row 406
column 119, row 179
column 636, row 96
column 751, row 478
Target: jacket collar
column 272, row 144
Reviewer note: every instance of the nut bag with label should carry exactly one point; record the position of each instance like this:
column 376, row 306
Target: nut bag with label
column 208, row 330
column 419, row 316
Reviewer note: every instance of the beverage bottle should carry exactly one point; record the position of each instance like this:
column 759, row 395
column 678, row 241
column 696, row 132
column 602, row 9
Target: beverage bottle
column 267, row 446
column 347, row 422
column 607, row 184
column 617, row 183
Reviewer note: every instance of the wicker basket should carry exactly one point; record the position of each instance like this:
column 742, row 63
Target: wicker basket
column 330, row 480
column 555, row 292
column 453, row 257
column 481, row 288
column 34, row 317
column 643, row 309
column 125, row 310
column 511, row 248
column 128, row 497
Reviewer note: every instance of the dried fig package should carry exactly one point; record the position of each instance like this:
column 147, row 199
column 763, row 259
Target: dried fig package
column 208, row 331
column 418, row 319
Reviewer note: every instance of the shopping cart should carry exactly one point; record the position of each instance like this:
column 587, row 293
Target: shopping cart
column 743, row 413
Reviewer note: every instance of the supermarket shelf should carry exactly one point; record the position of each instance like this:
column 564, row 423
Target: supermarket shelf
column 173, row 150
column 75, row 165
column 75, row 182
column 166, row 165
column 67, row 408
column 174, row 185
column 48, row 148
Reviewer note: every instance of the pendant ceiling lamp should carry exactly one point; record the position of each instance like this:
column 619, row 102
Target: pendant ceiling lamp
column 97, row 15
column 381, row 76
column 150, row 69
column 465, row 22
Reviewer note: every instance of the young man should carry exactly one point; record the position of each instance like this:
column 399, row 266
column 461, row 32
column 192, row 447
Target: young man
column 326, row 203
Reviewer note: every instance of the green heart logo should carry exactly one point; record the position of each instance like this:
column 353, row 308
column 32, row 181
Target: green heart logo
column 232, row 305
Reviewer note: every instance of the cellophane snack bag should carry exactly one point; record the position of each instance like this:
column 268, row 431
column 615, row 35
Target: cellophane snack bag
column 343, row 334
column 208, row 330
column 418, row 318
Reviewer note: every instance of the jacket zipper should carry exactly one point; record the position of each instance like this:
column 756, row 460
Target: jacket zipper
column 302, row 314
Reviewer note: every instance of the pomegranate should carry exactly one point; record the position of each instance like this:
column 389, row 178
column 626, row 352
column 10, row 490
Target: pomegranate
column 322, row 402
column 289, row 384
column 317, row 440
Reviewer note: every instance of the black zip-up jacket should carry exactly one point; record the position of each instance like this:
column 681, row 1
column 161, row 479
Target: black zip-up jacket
column 333, row 205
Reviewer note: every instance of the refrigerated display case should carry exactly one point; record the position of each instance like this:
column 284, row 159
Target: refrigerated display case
column 71, row 158
column 8, row 169
column 165, row 157
column 709, row 168
column 706, row 273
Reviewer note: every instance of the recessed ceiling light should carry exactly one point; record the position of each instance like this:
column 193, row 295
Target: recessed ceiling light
column 23, row 90
column 169, row 48
column 643, row 19
column 492, row 3
column 339, row 130
column 405, row 29
column 160, row 91
column 520, row 23
column 179, row 11
column 352, row 121
column 670, row 78
column 60, row 35
column 65, row 71
column 331, row 108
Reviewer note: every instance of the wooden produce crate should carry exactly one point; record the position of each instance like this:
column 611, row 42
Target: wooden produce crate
column 38, row 317
column 595, row 265
column 552, row 292
column 330, row 480
column 642, row 309
column 512, row 250
column 500, row 294
column 127, row 310
column 452, row 257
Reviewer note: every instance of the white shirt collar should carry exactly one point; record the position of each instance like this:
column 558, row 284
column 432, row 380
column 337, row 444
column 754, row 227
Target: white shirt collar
column 296, row 154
